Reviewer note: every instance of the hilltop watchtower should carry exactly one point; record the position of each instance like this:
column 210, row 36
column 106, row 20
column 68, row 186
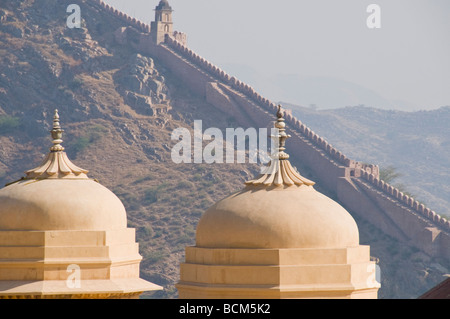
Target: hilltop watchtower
column 163, row 23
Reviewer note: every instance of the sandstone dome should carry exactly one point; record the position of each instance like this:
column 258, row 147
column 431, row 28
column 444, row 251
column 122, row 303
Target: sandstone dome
column 60, row 204
column 56, row 224
column 58, row 195
column 294, row 217
column 281, row 209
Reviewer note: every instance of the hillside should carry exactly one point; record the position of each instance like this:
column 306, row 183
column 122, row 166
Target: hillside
column 118, row 109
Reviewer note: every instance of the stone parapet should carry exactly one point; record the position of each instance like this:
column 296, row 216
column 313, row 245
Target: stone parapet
column 406, row 200
column 129, row 20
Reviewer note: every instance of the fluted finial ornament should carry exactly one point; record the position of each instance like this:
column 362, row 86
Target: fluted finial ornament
column 56, row 164
column 56, row 134
column 280, row 171
column 281, row 136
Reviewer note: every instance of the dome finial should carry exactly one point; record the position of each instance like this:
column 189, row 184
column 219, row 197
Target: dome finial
column 281, row 136
column 56, row 164
column 280, row 171
column 279, row 113
column 56, row 134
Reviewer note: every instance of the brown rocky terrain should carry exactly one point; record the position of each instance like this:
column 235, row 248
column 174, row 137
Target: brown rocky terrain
column 118, row 109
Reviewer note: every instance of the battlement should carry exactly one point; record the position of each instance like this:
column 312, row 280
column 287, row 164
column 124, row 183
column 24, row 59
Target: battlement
column 180, row 37
column 406, row 200
column 139, row 25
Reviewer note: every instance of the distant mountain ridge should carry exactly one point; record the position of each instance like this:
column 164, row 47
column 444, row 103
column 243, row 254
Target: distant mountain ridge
column 318, row 91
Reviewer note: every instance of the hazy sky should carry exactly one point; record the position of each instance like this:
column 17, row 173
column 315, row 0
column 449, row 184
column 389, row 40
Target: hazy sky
column 407, row 59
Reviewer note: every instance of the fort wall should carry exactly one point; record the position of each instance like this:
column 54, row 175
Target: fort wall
column 128, row 20
column 402, row 199
column 356, row 185
column 411, row 221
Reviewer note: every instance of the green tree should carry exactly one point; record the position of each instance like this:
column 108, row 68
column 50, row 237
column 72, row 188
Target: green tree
column 389, row 174
column 93, row 134
column 8, row 124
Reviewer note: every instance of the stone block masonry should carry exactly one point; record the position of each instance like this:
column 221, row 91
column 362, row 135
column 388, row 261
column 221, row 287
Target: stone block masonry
column 356, row 185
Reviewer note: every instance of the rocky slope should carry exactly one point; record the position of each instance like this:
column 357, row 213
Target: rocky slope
column 118, row 109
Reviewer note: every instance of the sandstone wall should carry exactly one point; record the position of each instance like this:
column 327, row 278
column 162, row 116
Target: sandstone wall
column 383, row 188
column 128, row 20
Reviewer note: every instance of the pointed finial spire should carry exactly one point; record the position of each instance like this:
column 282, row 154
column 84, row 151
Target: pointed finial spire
column 56, row 164
column 279, row 113
column 280, row 171
column 56, row 134
column 281, row 136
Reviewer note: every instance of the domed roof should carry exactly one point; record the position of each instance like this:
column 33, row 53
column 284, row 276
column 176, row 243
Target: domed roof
column 164, row 5
column 58, row 195
column 262, row 217
column 60, row 204
column 280, row 209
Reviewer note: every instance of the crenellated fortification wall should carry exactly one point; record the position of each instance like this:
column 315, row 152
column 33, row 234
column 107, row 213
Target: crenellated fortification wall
column 405, row 200
column 357, row 186
column 131, row 21
column 180, row 37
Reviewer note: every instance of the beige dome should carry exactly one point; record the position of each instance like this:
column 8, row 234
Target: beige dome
column 282, row 217
column 280, row 209
column 58, row 195
column 64, row 235
column 277, row 238
column 60, row 204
